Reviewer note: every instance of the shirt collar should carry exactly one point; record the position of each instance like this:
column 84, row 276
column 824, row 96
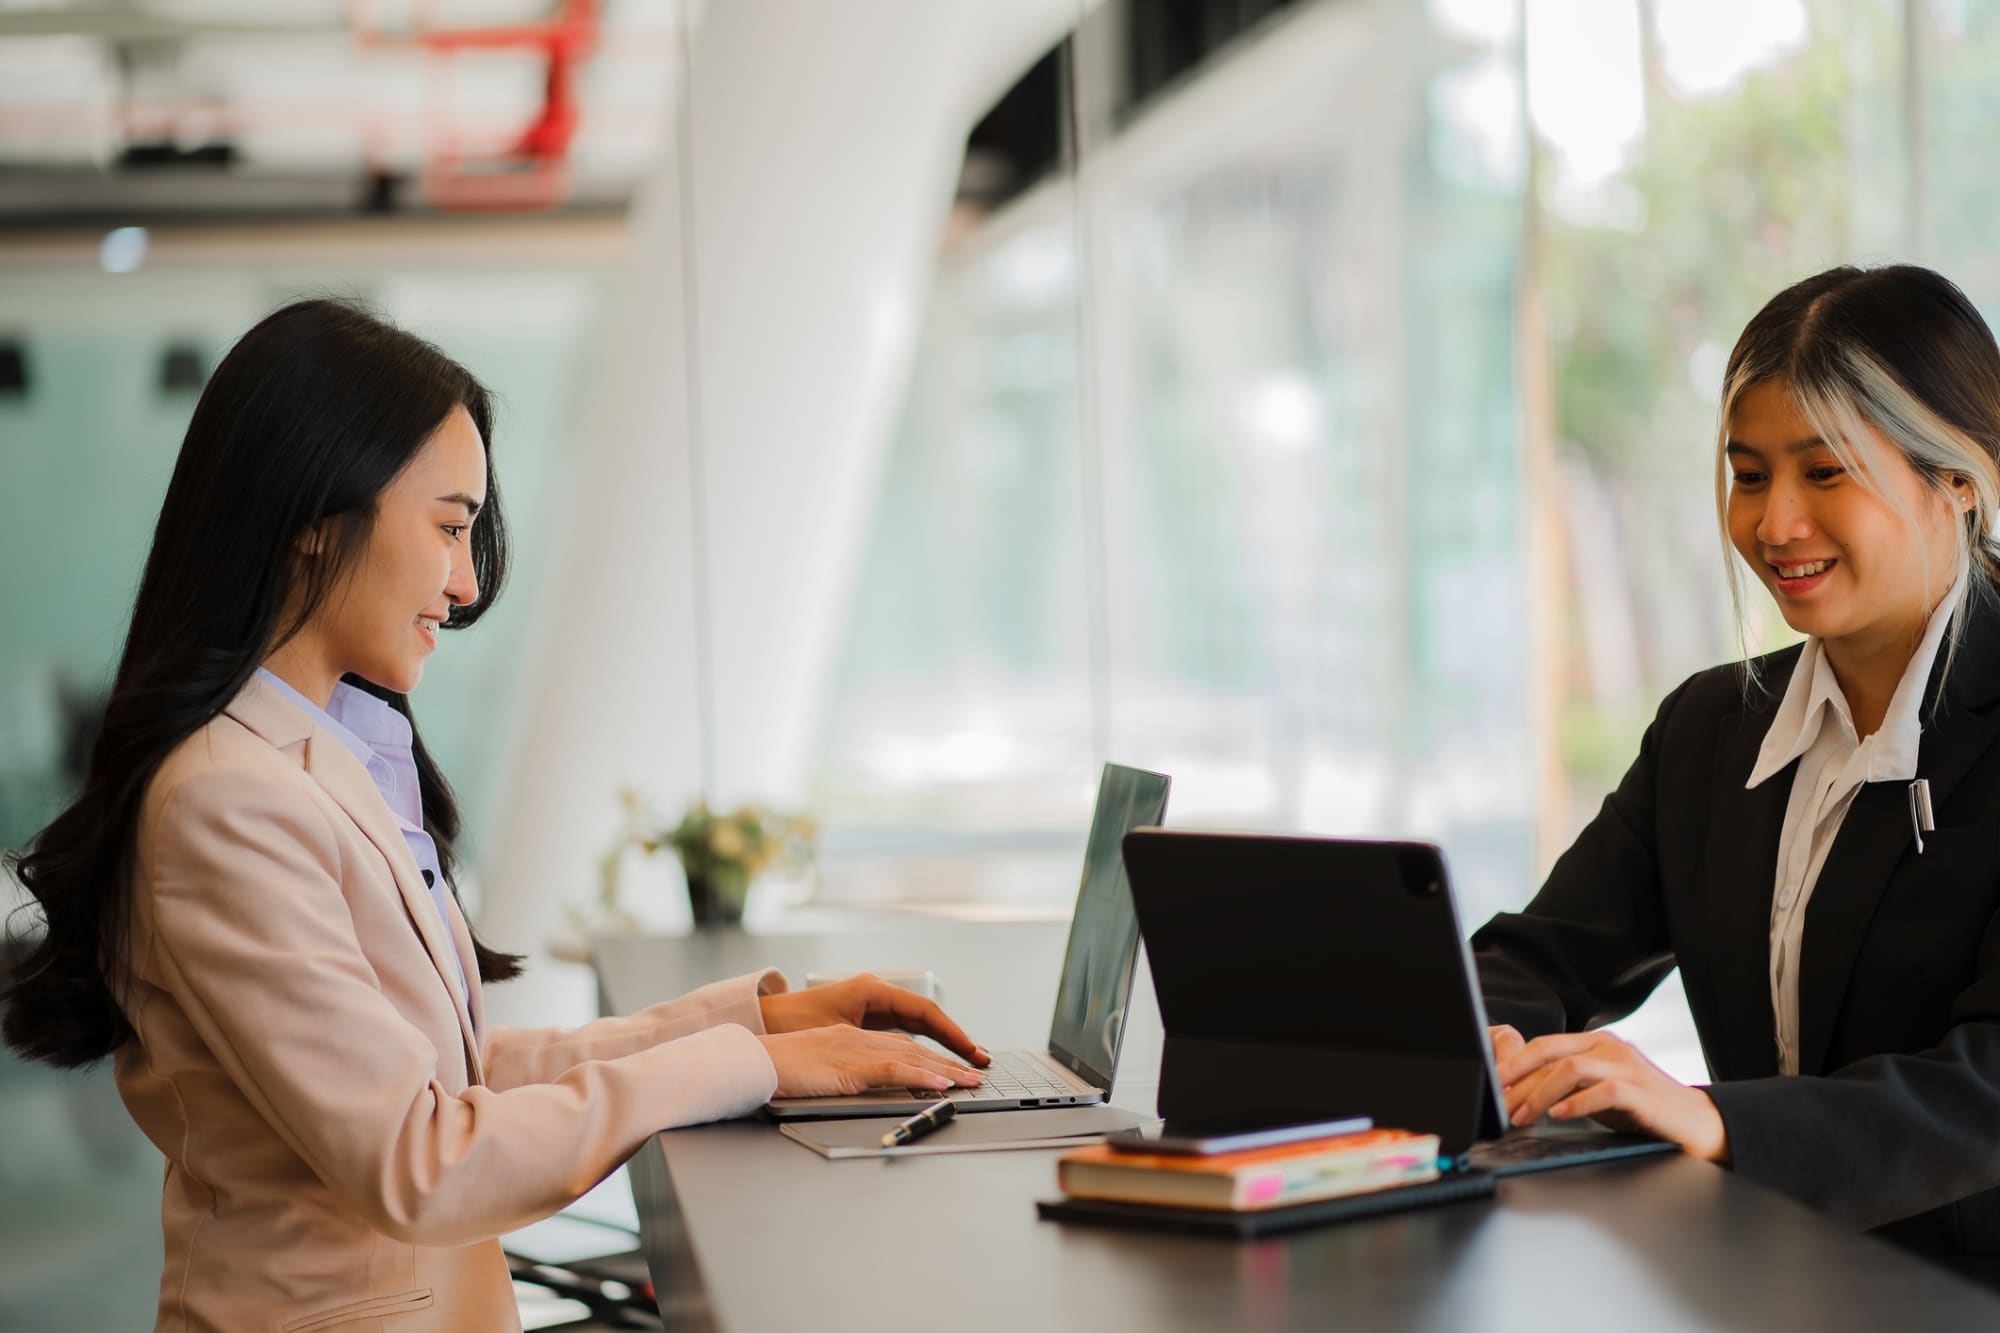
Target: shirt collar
column 1813, row 693
column 370, row 718
column 321, row 717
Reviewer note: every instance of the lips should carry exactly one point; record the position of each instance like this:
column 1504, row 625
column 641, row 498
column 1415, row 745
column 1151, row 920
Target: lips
column 1796, row 577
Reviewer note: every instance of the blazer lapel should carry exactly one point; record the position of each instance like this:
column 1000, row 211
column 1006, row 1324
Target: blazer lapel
column 1873, row 837
column 1876, row 835
column 1742, row 860
column 343, row 777
column 461, row 940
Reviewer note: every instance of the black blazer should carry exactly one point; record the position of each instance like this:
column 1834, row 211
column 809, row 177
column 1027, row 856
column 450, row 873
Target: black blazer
column 1894, row 1121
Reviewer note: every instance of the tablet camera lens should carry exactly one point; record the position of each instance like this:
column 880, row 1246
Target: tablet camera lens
column 1420, row 871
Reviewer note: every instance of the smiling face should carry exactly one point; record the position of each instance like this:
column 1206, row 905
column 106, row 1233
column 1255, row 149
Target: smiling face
column 382, row 622
column 1840, row 559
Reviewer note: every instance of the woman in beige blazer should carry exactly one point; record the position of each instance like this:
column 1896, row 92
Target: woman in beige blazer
column 249, row 903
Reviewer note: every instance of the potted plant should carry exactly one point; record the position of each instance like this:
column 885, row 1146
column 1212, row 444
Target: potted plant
column 723, row 853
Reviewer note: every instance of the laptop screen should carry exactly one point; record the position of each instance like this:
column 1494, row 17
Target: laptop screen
column 1104, row 934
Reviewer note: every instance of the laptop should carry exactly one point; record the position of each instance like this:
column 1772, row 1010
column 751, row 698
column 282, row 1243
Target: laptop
column 1089, row 1023
column 1305, row 978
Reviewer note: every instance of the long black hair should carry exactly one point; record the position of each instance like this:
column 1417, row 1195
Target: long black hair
column 305, row 422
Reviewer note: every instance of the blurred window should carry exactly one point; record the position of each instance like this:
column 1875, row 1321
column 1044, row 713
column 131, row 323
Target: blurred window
column 1210, row 463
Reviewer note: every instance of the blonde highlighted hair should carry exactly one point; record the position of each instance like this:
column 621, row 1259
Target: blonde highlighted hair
column 1900, row 349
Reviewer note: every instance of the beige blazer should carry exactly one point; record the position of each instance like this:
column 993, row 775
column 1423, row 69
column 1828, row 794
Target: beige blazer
column 341, row 1153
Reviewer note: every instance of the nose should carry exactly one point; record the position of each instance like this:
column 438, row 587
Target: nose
column 1786, row 517
column 462, row 588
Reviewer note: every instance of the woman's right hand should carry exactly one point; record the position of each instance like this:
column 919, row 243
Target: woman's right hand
column 838, row 1059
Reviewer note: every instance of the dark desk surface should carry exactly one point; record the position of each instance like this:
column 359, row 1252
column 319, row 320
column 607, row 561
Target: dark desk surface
column 748, row 1231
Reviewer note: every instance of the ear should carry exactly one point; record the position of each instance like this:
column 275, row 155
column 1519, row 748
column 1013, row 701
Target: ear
column 1962, row 493
column 310, row 542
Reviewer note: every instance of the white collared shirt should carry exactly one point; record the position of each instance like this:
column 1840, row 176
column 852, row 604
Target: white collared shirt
column 1813, row 725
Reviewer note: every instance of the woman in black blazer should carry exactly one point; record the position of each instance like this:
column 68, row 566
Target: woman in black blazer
column 1845, row 980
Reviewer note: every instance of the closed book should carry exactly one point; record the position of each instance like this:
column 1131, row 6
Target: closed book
column 1448, row 1188
column 1261, row 1178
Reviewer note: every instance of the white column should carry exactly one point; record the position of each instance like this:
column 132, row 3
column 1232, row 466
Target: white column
column 821, row 148
column 826, row 142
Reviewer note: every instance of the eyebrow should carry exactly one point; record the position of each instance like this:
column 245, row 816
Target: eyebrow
column 1806, row 445
column 472, row 506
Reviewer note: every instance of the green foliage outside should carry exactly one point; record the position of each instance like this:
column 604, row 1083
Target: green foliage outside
column 1728, row 199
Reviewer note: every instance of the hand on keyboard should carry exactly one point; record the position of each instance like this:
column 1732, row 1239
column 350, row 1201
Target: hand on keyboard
column 837, row 1060
column 866, row 1001
column 1011, row 1075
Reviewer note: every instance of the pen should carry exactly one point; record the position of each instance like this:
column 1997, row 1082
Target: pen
column 1921, row 820
column 920, row 1124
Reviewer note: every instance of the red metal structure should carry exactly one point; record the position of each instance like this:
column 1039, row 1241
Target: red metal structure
column 533, row 172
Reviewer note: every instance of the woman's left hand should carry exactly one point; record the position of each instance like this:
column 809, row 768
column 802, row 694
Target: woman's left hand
column 867, row 1001
column 1574, row 1074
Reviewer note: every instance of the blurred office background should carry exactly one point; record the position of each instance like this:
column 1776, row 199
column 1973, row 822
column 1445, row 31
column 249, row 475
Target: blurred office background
column 905, row 407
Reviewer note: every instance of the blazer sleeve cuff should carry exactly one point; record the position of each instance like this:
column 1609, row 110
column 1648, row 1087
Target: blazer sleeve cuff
column 731, row 1001
column 1765, row 1145
column 718, row 1073
column 769, row 982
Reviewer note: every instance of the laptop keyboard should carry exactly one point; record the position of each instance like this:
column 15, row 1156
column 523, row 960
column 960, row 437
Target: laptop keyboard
column 1512, row 1153
column 1012, row 1074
